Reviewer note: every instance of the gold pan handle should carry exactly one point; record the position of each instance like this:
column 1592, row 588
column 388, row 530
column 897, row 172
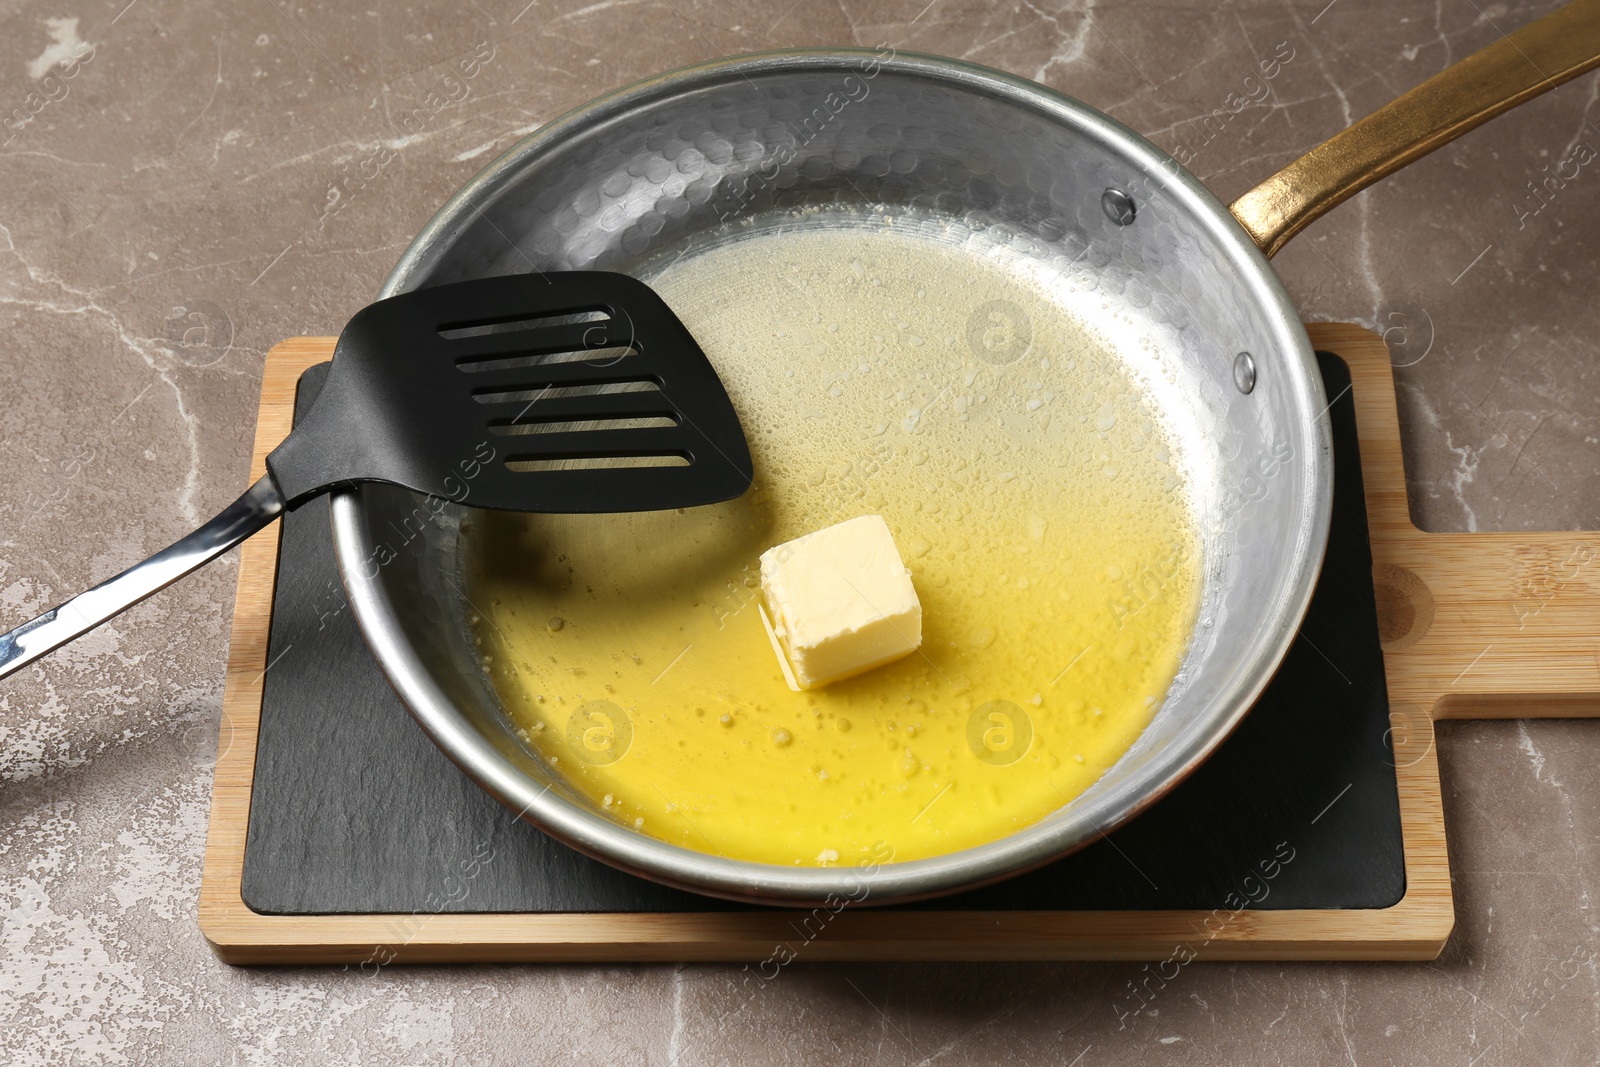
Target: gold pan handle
column 1533, row 60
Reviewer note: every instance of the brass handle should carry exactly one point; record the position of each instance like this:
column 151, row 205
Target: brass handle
column 1533, row 60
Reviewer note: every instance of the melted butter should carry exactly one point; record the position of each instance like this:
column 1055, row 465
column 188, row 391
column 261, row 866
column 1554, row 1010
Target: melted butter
column 1032, row 493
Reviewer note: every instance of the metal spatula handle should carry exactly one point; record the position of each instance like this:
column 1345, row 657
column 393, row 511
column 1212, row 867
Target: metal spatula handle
column 260, row 504
column 486, row 393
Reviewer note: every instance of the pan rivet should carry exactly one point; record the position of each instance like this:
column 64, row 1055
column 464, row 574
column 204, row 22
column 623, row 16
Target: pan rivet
column 1244, row 372
column 1118, row 206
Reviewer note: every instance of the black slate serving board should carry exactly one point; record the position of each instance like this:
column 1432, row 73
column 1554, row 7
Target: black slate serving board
column 354, row 811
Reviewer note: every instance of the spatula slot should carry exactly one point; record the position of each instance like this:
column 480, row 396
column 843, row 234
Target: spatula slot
column 597, row 462
column 644, row 422
column 599, row 357
column 557, row 392
column 452, row 331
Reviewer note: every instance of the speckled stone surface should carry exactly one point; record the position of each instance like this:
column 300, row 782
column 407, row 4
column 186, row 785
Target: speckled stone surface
column 211, row 178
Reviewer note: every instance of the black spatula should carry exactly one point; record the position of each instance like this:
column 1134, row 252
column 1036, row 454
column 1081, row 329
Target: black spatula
column 563, row 392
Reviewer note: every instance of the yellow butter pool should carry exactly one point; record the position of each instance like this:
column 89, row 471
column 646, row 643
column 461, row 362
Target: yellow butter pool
column 1031, row 492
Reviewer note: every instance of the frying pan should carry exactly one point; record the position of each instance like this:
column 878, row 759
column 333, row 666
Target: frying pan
column 676, row 164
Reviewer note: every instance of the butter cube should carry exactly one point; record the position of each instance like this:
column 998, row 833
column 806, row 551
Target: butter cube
column 841, row 601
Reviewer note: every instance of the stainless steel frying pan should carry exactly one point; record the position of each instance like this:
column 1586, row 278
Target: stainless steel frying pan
column 673, row 165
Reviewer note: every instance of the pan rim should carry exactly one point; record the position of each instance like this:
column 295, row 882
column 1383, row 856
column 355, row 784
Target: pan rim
column 894, row 882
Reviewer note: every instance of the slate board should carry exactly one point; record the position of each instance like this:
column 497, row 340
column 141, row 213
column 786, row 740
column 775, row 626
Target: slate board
column 354, row 811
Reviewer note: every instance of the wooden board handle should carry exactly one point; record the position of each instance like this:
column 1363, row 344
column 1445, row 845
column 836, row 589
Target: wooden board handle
column 1474, row 625
column 1492, row 625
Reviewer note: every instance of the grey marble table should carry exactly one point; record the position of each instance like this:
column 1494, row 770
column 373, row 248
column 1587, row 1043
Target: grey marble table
column 213, row 177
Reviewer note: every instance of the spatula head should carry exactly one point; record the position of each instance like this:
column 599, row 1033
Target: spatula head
column 574, row 391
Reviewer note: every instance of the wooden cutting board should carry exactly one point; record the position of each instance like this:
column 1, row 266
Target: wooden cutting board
column 1473, row 625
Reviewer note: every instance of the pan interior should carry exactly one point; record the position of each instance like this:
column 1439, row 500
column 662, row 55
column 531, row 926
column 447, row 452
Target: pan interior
column 939, row 152
column 882, row 364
